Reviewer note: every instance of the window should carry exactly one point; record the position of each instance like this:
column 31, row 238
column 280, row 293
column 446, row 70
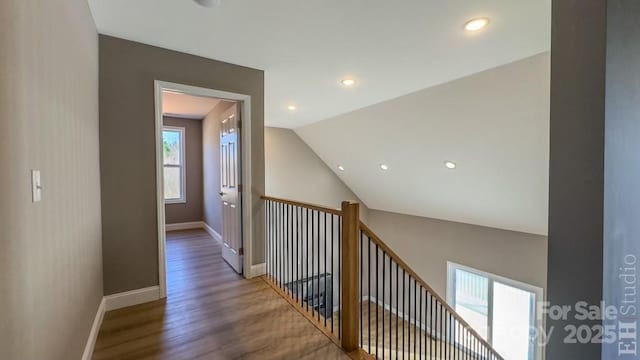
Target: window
column 174, row 172
column 499, row 309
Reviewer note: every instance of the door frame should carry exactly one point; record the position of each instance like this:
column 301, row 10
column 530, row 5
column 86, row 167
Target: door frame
column 247, row 197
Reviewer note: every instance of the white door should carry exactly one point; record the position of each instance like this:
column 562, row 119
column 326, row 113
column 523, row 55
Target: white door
column 231, row 188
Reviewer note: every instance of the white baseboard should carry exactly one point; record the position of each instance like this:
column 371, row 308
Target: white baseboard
column 214, row 234
column 95, row 329
column 130, row 298
column 184, row 226
column 258, row 270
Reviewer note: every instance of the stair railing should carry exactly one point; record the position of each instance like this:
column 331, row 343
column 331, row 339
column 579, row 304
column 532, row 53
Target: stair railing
column 341, row 276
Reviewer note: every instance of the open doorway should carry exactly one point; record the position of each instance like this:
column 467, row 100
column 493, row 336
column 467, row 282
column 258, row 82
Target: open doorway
column 202, row 168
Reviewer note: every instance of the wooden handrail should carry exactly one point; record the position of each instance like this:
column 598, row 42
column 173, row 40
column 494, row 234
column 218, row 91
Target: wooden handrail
column 384, row 247
column 351, row 228
column 303, row 205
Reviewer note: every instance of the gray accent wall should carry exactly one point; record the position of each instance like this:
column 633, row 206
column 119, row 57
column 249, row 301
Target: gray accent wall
column 576, row 168
column 622, row 171
column 212, row 215
column 191, row 210
column 50, row 251
column 127, row 150
column 427, row 245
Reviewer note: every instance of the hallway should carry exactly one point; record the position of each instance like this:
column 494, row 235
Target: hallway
column 210, row 313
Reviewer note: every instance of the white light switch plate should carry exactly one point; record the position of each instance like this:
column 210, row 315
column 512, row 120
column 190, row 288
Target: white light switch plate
column 36, row 186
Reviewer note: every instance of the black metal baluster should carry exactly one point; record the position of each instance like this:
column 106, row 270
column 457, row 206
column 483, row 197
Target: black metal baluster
column 447, row 349
column 404, row 309
column 285, row 254
column 467, row 341
column 298, row 262
column 369, row 290
column 377, row 300
column 397, row 306
column 313, row 269
column 340, row 276
column 434, row 329
column 294, row 249
column 283, row 235
column 291, row 278
column 427, row 324
column 267, row 231
column 409, row 312
column 306, row 261
column 291, row 250
column 390, row 306
column 384, row 265
column 279, row 240
column 475, row 348
column 270, row 237
column 415, row 316
column 273, row 244
column 361, row 290
column 324, row 298
column 332, row 272
column 318, row 272
column 420, row 324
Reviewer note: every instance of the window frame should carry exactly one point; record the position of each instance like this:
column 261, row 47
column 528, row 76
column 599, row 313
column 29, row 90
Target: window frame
column 182, row 166
column 538, row 293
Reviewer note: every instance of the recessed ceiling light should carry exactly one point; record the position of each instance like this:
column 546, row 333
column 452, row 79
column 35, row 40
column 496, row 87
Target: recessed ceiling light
column 208, row 3
column 291, row 107
column 476, row 24
column 348, row 82
column 450, row 164
column 340, row 167
column 384, row 167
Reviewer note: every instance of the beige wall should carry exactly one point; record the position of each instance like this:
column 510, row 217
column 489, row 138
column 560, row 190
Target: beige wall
column 192, row 209
column 211, row 160
column 127, row 150
column 50, row 252
column 293, row 171
column 427, row 244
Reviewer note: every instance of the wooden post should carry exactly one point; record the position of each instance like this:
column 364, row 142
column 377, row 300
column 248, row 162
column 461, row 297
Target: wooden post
column 350, row 291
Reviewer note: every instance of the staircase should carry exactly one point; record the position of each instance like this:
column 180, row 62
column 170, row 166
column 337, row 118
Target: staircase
column 340, row 275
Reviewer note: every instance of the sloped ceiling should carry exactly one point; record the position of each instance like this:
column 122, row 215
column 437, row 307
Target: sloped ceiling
column 305, row 47
column 494, row 125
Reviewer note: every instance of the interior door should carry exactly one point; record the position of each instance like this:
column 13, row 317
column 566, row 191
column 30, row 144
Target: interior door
column 231, row 188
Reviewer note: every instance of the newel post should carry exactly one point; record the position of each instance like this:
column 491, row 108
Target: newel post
column 350, row 291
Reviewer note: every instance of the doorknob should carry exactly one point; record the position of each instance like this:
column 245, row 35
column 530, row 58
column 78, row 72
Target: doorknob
column 221, row 193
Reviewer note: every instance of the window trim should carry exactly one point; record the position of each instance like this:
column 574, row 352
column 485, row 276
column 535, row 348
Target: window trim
column 492, row 278
column 183, row 166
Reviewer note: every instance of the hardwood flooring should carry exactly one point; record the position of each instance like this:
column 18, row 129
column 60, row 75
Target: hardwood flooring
column 210, row 313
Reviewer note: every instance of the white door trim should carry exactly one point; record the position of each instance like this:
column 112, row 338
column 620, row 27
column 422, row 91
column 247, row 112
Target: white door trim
column 247, row 196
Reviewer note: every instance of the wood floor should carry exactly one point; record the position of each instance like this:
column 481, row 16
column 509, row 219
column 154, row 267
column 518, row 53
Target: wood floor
column 417, row 344
column 210, row 313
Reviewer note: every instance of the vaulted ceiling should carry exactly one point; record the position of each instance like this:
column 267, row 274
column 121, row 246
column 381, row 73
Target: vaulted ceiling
column 493, row 125
column 426, row 91
column 391, row 48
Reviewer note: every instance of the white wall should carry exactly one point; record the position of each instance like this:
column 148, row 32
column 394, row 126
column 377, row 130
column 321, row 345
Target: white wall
column 51, row 251
column 293, row 171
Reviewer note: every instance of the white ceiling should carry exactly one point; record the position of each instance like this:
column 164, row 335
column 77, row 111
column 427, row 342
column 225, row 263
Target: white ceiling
column 494, row 125
column 305, row 47
column 196, row 107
